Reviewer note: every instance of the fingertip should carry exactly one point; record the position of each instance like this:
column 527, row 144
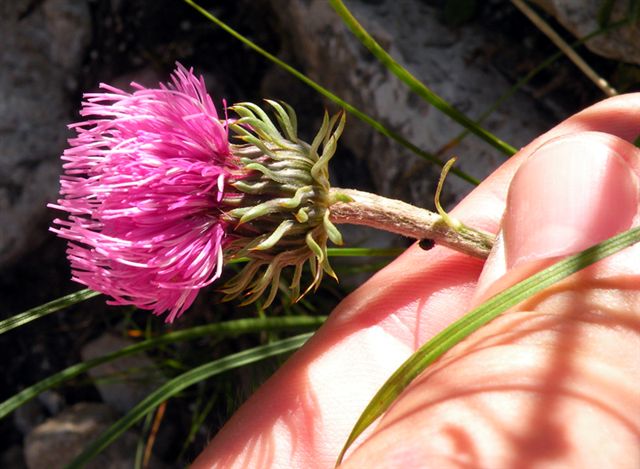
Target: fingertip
column 573, row 192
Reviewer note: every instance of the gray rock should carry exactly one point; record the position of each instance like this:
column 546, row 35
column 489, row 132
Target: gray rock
column 124, row 382
column 68, row 28
column 56, row 442
column 52, row 401
column 42, row 45
column 580, row 17
column 446, row 59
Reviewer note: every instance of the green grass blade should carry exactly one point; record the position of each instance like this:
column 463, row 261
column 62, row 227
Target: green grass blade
column 365, row 252
column 45, row 309
column 181, row 382
column 197, row 421
column 530, row 76
column 481, row 315
column 329, row 95
column 142, row 442
column 345, row 252
column 413, row 83
column 222, row 329
column 82, row 295
column 561, row 44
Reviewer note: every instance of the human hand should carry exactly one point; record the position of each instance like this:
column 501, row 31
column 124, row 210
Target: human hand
column 552, row 383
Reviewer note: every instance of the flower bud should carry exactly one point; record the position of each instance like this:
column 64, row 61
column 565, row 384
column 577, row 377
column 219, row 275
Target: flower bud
column 282, row 217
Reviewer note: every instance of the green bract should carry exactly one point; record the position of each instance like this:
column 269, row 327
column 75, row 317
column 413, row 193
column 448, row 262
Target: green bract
column 283, row 214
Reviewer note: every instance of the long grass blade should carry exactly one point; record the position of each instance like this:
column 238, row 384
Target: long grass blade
column 222, row 329
column 331, row 96
column 561, row 44
column 176, row 385
column 45, row 309
column 413, row 83
column 82, row 295
column 481, row 315
column 527, row 78
column 345, row 252
column 364, row 252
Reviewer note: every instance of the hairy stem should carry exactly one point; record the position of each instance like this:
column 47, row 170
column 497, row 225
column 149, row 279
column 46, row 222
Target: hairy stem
column 404, row 219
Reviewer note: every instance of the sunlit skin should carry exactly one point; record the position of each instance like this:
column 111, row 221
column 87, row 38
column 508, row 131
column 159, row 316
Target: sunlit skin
column 555, row 382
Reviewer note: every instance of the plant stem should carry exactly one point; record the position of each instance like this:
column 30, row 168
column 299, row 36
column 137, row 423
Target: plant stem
column 407, row 220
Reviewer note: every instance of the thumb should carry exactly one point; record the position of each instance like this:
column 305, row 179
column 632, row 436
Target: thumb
column 571, row 193
column 551, row 382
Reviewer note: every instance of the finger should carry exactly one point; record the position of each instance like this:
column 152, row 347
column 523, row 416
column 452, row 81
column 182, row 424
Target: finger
column 303, row 414
column 545, row 227
column 550, row 384
column 619, row 116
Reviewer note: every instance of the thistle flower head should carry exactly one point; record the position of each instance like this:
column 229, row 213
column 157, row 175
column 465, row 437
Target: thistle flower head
column 158, row 198
column 144, row 180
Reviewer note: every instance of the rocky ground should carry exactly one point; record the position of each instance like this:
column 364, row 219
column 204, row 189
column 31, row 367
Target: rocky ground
column 53, row 50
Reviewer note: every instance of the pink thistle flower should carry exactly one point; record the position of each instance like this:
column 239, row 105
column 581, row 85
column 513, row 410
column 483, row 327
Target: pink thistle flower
column 158, row 198
column 143, row 186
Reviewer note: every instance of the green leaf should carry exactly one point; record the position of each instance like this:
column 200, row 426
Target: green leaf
column 481, row 315
column 413, row 83
column 176, row 385
column 329, row 95
column 222, row 329
column 45, row 309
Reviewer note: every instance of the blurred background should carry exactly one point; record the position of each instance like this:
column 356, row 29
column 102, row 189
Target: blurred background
column 470, row 52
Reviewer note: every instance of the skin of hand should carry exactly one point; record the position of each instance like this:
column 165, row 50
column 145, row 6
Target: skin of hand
column 554, row 382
